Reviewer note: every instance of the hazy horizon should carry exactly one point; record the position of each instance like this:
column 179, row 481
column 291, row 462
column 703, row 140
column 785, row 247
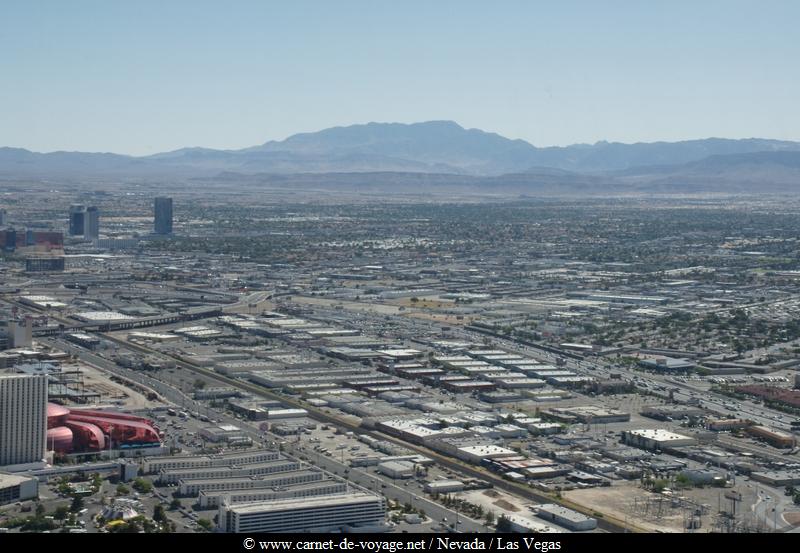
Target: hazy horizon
column 200, row 146
column 144, row 78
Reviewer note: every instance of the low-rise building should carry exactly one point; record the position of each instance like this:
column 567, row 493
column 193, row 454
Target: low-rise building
column 196, row 486
column 396, row 469
column 15, row 487
column 656, row 439
column 773, row 437
column 573, row 520
column 526, row 525
column 589, row 414
column 154, row 465
column 777, row 477
column 351, row 511
column 211, row 500
column 444, row 486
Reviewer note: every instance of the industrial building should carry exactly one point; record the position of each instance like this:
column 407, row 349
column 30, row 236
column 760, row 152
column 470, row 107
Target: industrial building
column 444, row 486
column 476, row 454
column 656, row 439
column 777, row 478
column 351, row 511
column 567, row 518
column 671, row 412
column 773, row 437
column 588, row 414
column 669, row 364
column 721, row 425
column 396, row 469
column 525, row 525
column 83, row 339
column 703, row 476
column 221, row 433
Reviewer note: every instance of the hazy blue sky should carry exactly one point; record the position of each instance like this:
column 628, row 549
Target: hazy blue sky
column 147, row 76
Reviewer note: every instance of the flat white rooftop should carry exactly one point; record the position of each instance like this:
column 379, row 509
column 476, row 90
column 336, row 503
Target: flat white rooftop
column 299, row 503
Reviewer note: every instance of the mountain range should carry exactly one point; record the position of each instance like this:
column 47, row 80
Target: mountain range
column 448, row 150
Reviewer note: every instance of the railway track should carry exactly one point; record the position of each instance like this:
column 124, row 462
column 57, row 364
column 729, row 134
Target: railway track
column 604, row 522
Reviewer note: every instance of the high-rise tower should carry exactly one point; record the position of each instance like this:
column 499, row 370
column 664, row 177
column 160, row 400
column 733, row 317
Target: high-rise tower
column 92, row 226
column 23, row 418
column 163, row 215
column 77, row 220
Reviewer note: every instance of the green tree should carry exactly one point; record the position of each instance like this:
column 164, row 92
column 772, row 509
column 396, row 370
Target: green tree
column 158, row 513
column 77, row 504
column 205, row 524
column 142, row 486
column 660, row 485
column 61, row 512
column 683, row 481
column 97, row 482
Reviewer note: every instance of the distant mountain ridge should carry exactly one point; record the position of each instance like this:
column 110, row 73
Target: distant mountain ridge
column 437, row 147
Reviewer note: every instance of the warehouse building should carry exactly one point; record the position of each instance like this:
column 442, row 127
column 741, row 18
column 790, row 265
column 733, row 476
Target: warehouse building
column 588, row 414
column 476, row 454
column 776, row 438
column 525, row 525
column 444, row 486
column 671, row 412
column 567, row 518
column 721, row 425
column 777, row 478
column 703, row 476
column 656, row 439
column 396, row 469
column 668, row 364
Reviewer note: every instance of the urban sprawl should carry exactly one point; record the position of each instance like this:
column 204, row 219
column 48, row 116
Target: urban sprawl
column 209, row 361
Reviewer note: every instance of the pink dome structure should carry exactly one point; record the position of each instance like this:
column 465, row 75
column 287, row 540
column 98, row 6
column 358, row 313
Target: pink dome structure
column 56, row 415
column 86, row 430
column 88, row 437
column 59, row 439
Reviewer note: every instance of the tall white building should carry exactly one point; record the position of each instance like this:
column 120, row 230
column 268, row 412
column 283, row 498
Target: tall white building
column 23, row 419
column 20, row 334
column 307, row 514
